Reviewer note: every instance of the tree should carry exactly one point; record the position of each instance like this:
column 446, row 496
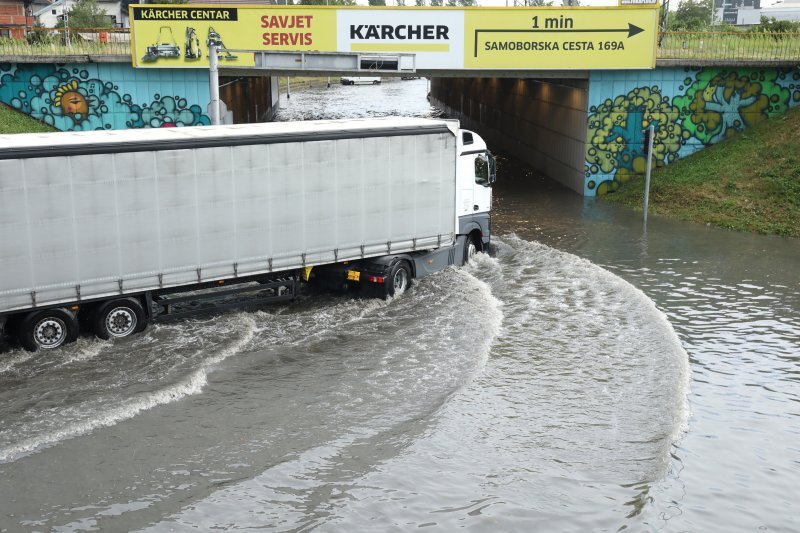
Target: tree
column 436, row 3
column 532, row 3
column 419, row 3
column 692, row 15
column 377, row 2
column 87, row 14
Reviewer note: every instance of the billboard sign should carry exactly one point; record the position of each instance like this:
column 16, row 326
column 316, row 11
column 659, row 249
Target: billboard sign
column 175, row 36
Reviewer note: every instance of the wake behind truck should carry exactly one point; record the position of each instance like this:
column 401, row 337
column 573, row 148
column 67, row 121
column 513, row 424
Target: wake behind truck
column 109, row 230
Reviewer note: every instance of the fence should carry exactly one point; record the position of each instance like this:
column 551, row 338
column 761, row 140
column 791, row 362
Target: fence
column 734, row 46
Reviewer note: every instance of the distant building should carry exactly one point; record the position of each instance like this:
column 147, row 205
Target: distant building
column 749, row 12
column 15, row 16
column 727, row 11
column 783, row 10
column 50, row 12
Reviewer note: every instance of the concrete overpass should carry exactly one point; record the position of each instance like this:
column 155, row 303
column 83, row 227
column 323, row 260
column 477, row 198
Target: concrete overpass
column 580, row 127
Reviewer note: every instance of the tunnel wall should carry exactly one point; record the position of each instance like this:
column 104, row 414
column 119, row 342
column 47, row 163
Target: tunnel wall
column 249, row 99
column 541, row 122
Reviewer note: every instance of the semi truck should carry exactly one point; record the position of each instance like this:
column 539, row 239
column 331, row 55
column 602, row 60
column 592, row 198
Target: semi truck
column 105, row 231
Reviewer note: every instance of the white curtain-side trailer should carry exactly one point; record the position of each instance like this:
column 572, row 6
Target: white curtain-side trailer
column 117, row 228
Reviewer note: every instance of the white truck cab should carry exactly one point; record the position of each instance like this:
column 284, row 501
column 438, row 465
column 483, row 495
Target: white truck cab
column 477, row 171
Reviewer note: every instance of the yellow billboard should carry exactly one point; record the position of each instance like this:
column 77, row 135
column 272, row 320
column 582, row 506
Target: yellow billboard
column 542, row 38
column 561, row 38
column 170, row 36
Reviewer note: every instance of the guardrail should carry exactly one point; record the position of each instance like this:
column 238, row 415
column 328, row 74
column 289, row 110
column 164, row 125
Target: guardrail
column 65, row 42
column 733, row 46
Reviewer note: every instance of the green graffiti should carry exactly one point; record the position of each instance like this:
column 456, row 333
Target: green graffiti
column 721, row 103
column 615, row 133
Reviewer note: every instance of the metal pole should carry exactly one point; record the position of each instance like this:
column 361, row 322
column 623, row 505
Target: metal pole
column 66, row 24
column 288, row 93
column 213, row 82
column 651, row 129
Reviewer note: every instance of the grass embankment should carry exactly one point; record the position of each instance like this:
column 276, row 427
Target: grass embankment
column 12, row 121
column 750, row 182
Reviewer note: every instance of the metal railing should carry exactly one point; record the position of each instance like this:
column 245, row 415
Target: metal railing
column 63, row 42
column 732, row 46
column 726, row 47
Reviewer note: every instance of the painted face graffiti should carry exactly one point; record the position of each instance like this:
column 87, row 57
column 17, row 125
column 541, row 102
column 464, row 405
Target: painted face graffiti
column 71, row 101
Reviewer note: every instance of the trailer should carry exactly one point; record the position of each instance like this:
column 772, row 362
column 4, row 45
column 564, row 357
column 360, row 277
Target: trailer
column 108, row 230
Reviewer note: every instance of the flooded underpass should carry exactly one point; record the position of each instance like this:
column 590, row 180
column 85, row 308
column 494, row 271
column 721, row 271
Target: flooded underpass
column 588, row 374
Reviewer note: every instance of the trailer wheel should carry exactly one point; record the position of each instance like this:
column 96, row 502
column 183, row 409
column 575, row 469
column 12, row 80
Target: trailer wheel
column 47, row 329
column 119, row 318
column 399, row 279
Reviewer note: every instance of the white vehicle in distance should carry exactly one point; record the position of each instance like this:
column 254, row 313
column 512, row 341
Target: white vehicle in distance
column 366, row 80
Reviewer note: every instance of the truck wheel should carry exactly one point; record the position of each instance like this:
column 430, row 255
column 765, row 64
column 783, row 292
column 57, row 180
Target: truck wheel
column 399, row 279
column 119, row 318
column 471, row 248
column 47, row 329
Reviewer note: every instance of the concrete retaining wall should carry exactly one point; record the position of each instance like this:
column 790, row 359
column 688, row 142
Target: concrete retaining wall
column 113, row 95
column 691, row 108
column 76, row 97
column 588, row 136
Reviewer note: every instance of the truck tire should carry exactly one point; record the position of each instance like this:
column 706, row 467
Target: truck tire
column 47, row 329
column 399, row 279
column 471, row 247
column 119, row 318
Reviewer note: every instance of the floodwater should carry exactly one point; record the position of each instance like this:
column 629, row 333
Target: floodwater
column 589, row 375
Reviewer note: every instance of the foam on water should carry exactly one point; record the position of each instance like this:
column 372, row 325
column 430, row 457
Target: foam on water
column 45, row 426
column 122, row 411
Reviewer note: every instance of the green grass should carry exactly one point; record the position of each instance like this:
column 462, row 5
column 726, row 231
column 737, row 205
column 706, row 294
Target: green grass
column 750, row 182
column 12, row 121
column 732, row 46
column 52, row 44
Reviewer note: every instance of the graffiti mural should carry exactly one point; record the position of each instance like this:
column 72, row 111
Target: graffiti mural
column 691, row 108
column 79, row 98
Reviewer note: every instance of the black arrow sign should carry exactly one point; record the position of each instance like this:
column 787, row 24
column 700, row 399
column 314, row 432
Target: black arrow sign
column 631, row 30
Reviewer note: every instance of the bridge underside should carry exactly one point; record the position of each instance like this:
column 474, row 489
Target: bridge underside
column 541, row 121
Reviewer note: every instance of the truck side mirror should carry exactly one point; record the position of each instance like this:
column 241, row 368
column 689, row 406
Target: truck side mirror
column 482, row 170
